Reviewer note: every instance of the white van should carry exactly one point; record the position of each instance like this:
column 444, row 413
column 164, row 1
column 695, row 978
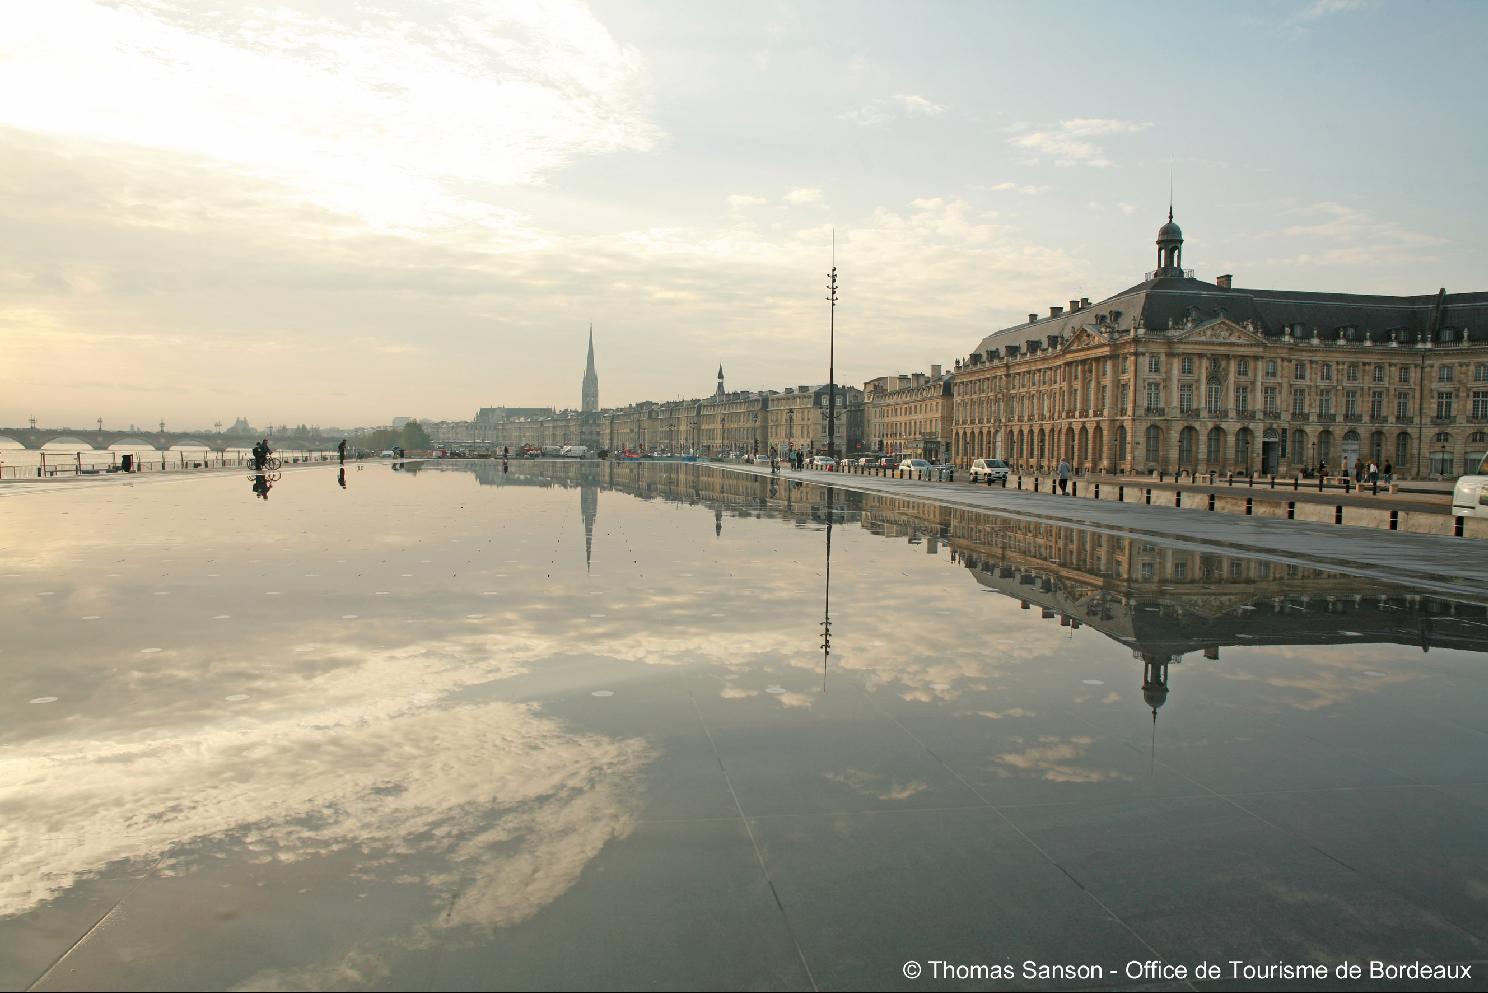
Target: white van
column 1470, row 495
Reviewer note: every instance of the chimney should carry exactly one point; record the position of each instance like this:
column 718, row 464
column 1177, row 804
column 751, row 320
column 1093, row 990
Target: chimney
column 1224, row 281
column 803, row 389
column 935, row 372
column 1032, row 318
column 918, row 379
column 1074, row 306
column 1084, row 302
column 1055, row 311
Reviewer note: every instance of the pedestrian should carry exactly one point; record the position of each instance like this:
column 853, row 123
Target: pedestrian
column 1322, row 468
column 341, row 451
column 1373, row 473
column 1389, row 475
column 1064, row 477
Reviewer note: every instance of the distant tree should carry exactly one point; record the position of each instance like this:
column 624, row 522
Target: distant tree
column 415, row 438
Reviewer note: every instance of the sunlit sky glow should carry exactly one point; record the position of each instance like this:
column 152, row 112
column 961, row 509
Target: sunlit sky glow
column 338, row 212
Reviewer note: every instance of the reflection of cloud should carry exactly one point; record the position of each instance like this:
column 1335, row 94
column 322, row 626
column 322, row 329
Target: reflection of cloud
column 871, row 784
column 997, row 715
column 362, row 755
column 1053, row 759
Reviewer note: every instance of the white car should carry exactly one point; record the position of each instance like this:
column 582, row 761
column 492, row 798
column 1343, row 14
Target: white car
column 995, row 469
column 823, row 462
column 915, row 465
column 1470, row 495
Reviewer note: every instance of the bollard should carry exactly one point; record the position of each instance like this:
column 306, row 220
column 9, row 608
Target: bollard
column 989, row 481
column 1178, row 498
column 1291, row 510
column 1394, row 520
column 1338, row 513
column 1097, row 491
column 1297, row 482
column 1273, row 480
column 1211, row 501
column 1074, row 488
column 1249, row 504
column 1120, row 493
column 1320, row 482
column 1149, row 495
column 1231, row 479
column 1457, row 526
column 1375, row 485
column 1035, row 484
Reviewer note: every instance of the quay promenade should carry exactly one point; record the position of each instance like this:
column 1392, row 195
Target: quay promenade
column 1437, row 562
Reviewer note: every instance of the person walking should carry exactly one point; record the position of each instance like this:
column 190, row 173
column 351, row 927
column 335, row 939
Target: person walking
column 1064, row 477
column 1389, row 475
column 341, row 451
column 1373, row 473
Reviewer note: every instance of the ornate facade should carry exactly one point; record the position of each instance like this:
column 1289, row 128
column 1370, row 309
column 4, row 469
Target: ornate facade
column 911, row 415
column 1178, row 373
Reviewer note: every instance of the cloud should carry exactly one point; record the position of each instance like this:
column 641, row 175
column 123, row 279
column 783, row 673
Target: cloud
column 1326, row 8
column 882, row 110
column 1027, row 189
column 1068, row 143
column 373, row 115
column 738, row 201
column 804, row 195
column 1337, row 234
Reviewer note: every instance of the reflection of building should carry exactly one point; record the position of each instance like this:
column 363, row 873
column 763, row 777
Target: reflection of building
column 1178, row 373
column 1162, row 603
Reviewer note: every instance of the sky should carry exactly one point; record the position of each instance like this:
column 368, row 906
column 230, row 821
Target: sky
column 341, row 212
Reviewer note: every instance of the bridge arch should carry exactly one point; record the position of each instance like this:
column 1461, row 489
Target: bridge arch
column 69, row 443
column 130, row 444
column 8, row 443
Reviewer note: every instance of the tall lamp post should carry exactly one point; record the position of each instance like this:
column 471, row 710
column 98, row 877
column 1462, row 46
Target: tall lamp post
column 832, row 364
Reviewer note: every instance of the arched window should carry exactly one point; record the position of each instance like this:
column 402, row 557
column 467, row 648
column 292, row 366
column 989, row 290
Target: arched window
column 1153, row 439
column 1188, row 443
column 1402, row 451
column 1120, row 455
column 1243, row 439
column 1214, row 451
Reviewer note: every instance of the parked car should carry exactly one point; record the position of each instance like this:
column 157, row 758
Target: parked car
column 886, row 462
column 997, row 469
column 823, row 462
column 1470, row 495
column 915, row 465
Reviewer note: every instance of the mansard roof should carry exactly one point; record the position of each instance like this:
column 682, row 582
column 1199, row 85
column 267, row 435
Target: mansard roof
column 1170, row 302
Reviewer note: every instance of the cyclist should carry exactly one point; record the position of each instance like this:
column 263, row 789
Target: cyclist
column 261, row 452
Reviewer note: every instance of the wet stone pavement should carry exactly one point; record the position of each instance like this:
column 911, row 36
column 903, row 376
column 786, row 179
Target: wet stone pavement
column 574, row 725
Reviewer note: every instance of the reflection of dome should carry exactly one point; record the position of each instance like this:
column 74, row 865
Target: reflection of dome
column 1170, row 232
column 1155, row 694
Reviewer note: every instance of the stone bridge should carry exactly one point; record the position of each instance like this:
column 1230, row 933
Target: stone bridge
column 61, row 438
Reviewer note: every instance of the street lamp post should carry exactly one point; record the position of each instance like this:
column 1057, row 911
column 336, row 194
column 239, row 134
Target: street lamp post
column 832, row 364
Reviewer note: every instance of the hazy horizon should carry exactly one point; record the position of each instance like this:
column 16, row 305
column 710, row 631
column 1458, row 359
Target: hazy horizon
column 339, row 213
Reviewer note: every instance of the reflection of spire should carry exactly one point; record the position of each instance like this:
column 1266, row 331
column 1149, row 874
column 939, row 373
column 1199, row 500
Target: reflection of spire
column 589, row 509
column 718, row 520
column 1155, row 692
column 826, row 624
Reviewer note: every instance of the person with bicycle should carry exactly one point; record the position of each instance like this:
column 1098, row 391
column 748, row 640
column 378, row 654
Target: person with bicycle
column 261, row 453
